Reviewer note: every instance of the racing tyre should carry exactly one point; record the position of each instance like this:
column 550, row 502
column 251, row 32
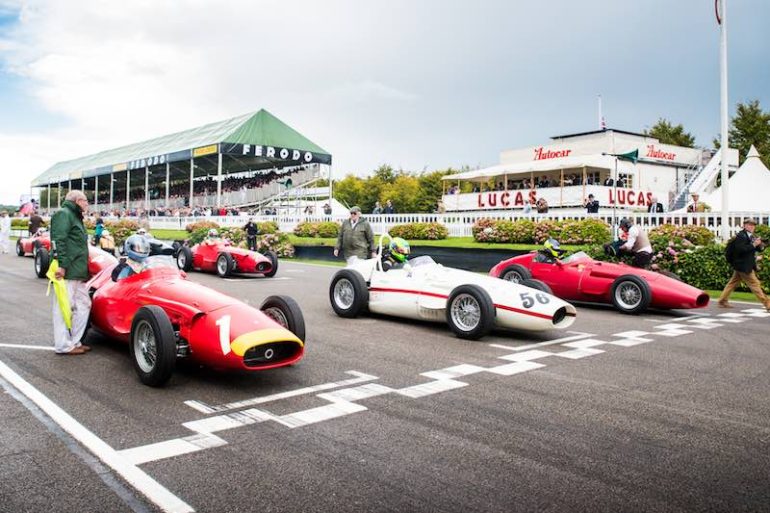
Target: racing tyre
column 184, row 259
column 153, row 346
column 35, row 247
column 470, row 312
column 286, row 312
column 348, row 293
column 515, row 273
column 225, row 265
column 270, row 255
column 537, row 285
column 19, row 248
column 42, row 262
column 630, row 294
column 175, row 246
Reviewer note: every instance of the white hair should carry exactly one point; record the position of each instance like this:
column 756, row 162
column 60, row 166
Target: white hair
column 74, row 195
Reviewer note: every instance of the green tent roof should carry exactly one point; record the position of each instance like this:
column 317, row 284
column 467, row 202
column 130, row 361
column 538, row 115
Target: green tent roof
column 259, row 129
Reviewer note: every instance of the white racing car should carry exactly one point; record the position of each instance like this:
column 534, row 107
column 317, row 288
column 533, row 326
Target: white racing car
column 472, row 304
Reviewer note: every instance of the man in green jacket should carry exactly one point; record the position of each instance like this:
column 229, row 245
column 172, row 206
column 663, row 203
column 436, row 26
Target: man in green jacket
column 69, row 241
column 356, row 238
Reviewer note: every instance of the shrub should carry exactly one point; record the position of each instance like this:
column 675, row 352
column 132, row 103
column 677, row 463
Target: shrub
column 763, row 232
column 491, row 230
column 198, row 225
column 19, row 223
column 325, row 229
column 420, row 231
column 525, row 231
column 121, row 230
column 663, row 235
column 266, row 227
column 277, row 242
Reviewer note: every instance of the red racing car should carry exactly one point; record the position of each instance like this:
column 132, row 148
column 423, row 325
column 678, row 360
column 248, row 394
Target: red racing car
column 97, row 259
column 581, row 278
column 29, row 245
column 225, row 259
column 163, row 317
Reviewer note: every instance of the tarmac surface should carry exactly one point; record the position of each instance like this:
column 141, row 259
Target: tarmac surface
column 666, row 411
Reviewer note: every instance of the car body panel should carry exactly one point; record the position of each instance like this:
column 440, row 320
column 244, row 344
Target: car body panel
column 422, row 293
column 28, row 243
column 206, row 253
column 209, row 321
column 588, row 280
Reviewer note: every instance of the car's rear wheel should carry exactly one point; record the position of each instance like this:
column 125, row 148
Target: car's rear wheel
column 19, row 248
column 184, row 259
column 270, row 255
column 630, row 294
column 515, row 273
column 348, row 293
column 225, row 265
column 537, row 285
column 42, row 262
column 286, row 312
column 470, row 312
column 153, row 346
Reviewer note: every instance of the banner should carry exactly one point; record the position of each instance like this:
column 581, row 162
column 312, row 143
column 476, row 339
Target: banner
column 290, row 155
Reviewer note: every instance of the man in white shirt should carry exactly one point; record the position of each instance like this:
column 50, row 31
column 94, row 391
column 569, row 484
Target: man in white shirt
column 5, row 232
column 637, row 243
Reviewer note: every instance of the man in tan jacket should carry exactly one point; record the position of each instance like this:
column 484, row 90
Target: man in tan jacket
column 356, row 238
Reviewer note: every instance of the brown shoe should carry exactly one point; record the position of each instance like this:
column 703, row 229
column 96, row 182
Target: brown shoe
column 85, row 347
column 724, row 305
column 77, row 350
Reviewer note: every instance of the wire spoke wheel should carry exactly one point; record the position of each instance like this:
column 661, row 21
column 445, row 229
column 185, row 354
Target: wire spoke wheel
column 344, row 294
column 277, row 315
column 145, row 347
column 629, row 294
column 466, row 312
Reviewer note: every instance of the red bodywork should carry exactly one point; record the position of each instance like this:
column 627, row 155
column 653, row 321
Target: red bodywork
column 200, row 315
column 26, row 245
column 589, row 280
column 206, row 253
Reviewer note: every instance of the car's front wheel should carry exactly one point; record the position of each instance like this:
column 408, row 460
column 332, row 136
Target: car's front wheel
column 286, row 312
column 153, row 346
column 270, row 255
column 19, row 248
column 348, row 293
column 184, row 259
column 515, row 273
column 630, row 294
column 42, row 262
column 470, row 312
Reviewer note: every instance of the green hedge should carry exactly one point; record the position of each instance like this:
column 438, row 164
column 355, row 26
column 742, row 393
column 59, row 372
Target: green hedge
column 525, row 231
column 317, row 229
column 420, row 231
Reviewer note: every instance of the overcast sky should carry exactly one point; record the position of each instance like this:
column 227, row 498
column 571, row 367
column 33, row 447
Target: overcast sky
column 415, row 84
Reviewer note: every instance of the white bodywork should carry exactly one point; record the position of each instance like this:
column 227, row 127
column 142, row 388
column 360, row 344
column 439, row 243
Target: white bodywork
column 422, row 290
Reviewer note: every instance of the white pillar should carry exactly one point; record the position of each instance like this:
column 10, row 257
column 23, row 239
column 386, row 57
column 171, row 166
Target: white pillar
column 49, row 198
column 723, row 128
column 146, row 187
column 96, row 191
column 192, row 175
column 219, row 179
column 58, row 195
column 168, row 176
column 128, row 189
column 112, row 182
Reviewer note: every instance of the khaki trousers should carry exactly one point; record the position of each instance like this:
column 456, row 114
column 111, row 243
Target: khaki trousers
column 751, row 281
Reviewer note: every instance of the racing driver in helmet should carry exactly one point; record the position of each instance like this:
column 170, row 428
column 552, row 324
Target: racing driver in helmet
column 550, row 252
column 137, row 250
column 396, row 255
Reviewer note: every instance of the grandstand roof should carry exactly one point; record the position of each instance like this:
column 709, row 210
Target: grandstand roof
column 244, row 136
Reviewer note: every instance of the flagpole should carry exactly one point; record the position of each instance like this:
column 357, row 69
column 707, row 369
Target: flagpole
column 724, row 115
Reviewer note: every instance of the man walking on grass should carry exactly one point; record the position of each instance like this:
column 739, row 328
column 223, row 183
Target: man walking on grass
column 742, row 257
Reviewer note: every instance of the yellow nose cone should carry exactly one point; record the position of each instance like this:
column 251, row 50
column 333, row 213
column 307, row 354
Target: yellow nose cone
column 251, row 339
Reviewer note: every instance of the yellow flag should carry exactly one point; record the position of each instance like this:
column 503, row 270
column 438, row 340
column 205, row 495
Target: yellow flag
column 60, row 289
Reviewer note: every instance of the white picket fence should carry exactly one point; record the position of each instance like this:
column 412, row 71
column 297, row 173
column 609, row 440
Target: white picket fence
column 461, row 224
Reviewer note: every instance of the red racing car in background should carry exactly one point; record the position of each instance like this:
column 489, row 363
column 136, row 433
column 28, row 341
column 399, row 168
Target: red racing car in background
column 162, row 317
column 581, row 278
column 29, row 245
column 220, row 256
column 97, row 259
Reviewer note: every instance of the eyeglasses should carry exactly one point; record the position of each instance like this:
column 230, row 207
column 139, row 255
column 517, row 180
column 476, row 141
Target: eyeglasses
column 354, row 213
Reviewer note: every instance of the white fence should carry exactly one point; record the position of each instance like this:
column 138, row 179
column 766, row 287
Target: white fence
column 461, row 224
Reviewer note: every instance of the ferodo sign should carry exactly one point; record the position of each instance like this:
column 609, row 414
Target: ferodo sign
column 555, row 196
column 273, row 152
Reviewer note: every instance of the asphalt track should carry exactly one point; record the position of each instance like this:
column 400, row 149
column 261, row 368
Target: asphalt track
column 668, row 411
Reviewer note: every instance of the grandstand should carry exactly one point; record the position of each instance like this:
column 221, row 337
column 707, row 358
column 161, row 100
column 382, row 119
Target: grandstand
column 246, row 161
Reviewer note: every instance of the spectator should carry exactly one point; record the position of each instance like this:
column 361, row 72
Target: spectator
column 655, row 207
column 377, row 210
column 389, row 208
column 609, row 182
column 542, row 206
column 356, row 238
column 591, row 204
column 5, row 232
column 440, row 207
column 327, row 209
column 742, row 258
column 637, row 243
column 252, row 230
column 34, row 222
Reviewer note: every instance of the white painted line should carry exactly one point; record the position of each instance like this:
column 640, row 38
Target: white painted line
column 434, row 387
column 668, row 319
column 510, row 369
column 578, row 335
column 631, row 334
column 142, row 482
column 249, row 279
column 357, row 393
column 360, row 377
column 575, row 354
column 526, row 356
column 453, row 372
column 630, row 342
column 21, row 346
column 584, row 344
column 672, row 333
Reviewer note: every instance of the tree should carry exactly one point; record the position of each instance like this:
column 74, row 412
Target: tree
column 404, row 193
column 751, row 125
column 385, row 174
column 349, row 191
column 667, row 133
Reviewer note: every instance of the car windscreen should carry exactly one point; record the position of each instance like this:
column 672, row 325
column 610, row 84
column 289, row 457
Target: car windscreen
column 580, row 255
column 421, row 261
column 159, row 261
